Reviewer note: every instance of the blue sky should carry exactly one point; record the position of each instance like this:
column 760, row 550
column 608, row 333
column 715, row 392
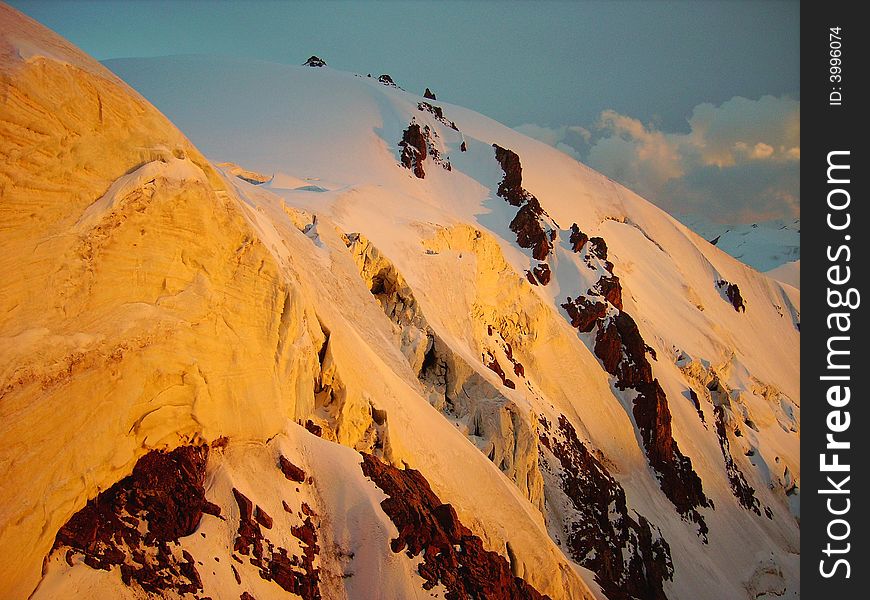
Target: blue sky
column 646, row 92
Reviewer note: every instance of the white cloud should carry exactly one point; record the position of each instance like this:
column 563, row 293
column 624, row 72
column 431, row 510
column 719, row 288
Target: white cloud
column 738, row 161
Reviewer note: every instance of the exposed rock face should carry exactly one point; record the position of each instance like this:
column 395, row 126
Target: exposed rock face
column 578, row 239
column 732, row 293
column 530, row 223
column 417, row 143
column 291, row 471
column 165, row 497
column 741, row 489
column 610, row 288
column 511, row 186
column 542, row 273
column 598, row 249
column 298, row 575
column 452, row 556
column 428, row 94
column 584, row 313
column 314, row 61
column 629, row 557
column 623, row 353
column 530, row 232
column 387, row 80
column 492, row 364
column 438, row 113
column 413, row 146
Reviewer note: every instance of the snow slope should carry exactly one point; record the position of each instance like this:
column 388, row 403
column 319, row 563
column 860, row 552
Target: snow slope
column 789, row 273
column 152, row 301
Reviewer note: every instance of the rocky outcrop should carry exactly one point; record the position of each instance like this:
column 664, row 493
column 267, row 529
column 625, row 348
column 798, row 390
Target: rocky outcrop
column 511, row 186
column 428, row 94
column 291, row 471
column 629, row 557
column 387, row 80
column 584, row 313
column 451, row 555
column 542, row 273
column 314, row 61
column 732, row 294
column 417, row 144
column 578, row 239
column 438, row 113
column 492, row 364
column 623, row 352
column 295, row 574
column 413, row 146
column 130, row 525
column 741, row 489
column 530, row 224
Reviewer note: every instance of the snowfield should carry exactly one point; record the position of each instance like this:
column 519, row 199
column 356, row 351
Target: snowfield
column 576, row 395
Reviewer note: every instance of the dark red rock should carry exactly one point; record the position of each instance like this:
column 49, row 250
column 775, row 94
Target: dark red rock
column 166, row 489
column 628, row 561
column 211, row 508
column 741, row 489
column 694, row 398
column 428, row 94
column 584, row 313
column 493, row 365
column 463, row 147
column 246, row 596
column 298, row 576
column 511, row 186
column 578, row 239
column 530, row 233
column 623, row 354
column 542, row 273
column 291, row 471
column 263, row 518
column 438, row 113
column 387, row 80
column 598, row 248
column 608, row 347
column 313, row 428
column 732, row 292
column 611, row 289
column 527, row 224
column 246, row 507
column 452, row 555
column 531, row 278
column 413, row 146
column 249, row 540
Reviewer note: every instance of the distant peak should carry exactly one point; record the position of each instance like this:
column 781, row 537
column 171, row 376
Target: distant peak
column 428, row 94
column 314, row 61
column 387, row 80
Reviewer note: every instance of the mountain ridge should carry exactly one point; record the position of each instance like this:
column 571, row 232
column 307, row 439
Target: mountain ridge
column 406, row 302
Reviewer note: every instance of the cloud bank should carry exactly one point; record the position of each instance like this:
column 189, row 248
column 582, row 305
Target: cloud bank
column 738, row 162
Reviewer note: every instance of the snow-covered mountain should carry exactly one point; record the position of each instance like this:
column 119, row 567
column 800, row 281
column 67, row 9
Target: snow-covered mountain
column 765, row 245
column 390, row 349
